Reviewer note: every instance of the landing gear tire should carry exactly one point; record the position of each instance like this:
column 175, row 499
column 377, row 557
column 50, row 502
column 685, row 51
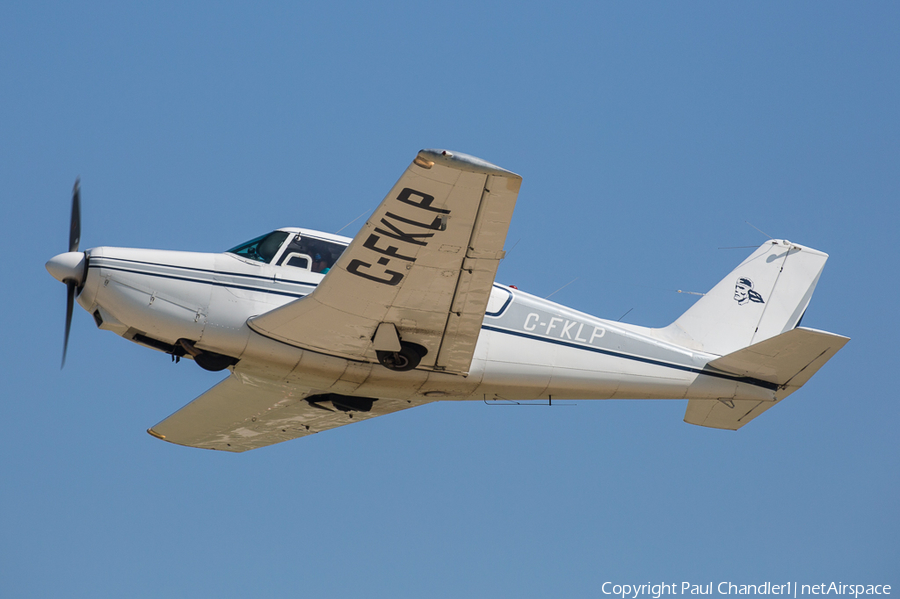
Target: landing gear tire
column 206, row 360
column 407, row 358
column 213, row 362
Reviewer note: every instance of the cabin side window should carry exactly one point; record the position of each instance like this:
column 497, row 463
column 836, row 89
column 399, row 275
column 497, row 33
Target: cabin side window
column 297, row 260
column 316, row 255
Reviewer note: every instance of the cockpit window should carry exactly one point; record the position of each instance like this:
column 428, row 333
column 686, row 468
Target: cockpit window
column 262, row 249
column 313, row 254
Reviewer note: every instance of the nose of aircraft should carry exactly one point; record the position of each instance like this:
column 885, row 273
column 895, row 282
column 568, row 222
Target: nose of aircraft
column 66, row 267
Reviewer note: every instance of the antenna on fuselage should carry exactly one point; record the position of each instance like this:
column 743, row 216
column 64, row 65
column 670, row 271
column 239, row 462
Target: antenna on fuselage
column 353, row 221
column 561, row 288
column 760, row 230
column 511, row 249
column 619, row 319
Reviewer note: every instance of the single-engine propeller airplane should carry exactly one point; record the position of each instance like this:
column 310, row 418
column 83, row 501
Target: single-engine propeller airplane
column 319, row 330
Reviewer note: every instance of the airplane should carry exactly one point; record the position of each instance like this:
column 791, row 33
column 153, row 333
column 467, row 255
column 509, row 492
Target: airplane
column 318, row 330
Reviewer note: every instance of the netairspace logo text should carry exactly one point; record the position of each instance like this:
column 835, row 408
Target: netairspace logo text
column 790, row 589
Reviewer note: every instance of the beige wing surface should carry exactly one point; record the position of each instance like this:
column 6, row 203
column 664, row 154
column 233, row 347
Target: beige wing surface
column 420, row 271
column 245, row 412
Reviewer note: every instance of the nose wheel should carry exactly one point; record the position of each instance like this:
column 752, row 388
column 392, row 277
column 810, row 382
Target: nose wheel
column 407, row 358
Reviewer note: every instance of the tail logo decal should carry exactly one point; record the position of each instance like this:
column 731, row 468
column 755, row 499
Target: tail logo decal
column 743, row 292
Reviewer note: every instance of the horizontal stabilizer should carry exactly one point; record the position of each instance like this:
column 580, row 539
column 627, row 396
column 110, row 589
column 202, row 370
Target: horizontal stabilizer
column 787, row 360
column 726, row 414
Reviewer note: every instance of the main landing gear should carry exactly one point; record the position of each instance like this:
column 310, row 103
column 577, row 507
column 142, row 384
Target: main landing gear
column 206, row 360
column 407, row 358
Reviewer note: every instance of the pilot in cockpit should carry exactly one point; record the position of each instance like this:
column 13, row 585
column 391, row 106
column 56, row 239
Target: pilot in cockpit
column 320, row 264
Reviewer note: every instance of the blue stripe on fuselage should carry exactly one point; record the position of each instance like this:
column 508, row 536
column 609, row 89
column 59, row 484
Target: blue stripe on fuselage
column 608, row 352
column 99, row 263
column 684, row 368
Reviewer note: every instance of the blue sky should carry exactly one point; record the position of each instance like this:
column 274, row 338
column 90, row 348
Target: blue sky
column 648, row 135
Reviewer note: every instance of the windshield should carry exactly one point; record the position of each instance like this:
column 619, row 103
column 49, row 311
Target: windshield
column 263, row 248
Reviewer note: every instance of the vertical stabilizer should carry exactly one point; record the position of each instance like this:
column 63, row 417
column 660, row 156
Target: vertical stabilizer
column 765, row 296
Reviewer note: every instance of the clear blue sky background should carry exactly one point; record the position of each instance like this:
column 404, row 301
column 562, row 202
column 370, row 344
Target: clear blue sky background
column 646, row 133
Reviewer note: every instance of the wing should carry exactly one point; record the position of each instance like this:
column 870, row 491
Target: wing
column 423, row 266
column 247, row 412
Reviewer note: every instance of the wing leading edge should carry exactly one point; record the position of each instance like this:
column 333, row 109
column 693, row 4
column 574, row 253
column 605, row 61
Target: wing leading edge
column 423, row 265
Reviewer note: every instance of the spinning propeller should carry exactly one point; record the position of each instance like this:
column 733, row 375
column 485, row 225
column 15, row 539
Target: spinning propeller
column 71, row 267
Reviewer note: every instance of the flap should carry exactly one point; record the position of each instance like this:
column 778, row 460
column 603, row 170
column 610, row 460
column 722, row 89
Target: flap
column 424, row 262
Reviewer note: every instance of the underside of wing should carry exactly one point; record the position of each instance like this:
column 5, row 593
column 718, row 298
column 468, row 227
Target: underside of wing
column 247, row 412
column 419, row 272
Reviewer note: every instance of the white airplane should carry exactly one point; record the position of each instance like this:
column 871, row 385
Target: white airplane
column 319, row 330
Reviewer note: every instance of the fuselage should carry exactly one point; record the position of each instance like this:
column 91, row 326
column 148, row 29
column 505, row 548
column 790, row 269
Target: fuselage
column 528, row 347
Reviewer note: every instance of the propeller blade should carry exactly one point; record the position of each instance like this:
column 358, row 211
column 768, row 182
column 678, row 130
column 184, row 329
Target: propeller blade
column 75, row 222
column 70, row 304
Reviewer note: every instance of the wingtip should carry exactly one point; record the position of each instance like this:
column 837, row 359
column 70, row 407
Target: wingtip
column 461, row 161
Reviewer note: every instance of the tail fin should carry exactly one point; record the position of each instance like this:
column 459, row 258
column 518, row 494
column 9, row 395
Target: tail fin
column 765, row 296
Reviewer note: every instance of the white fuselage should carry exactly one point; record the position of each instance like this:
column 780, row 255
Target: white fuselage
column 529, row 348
